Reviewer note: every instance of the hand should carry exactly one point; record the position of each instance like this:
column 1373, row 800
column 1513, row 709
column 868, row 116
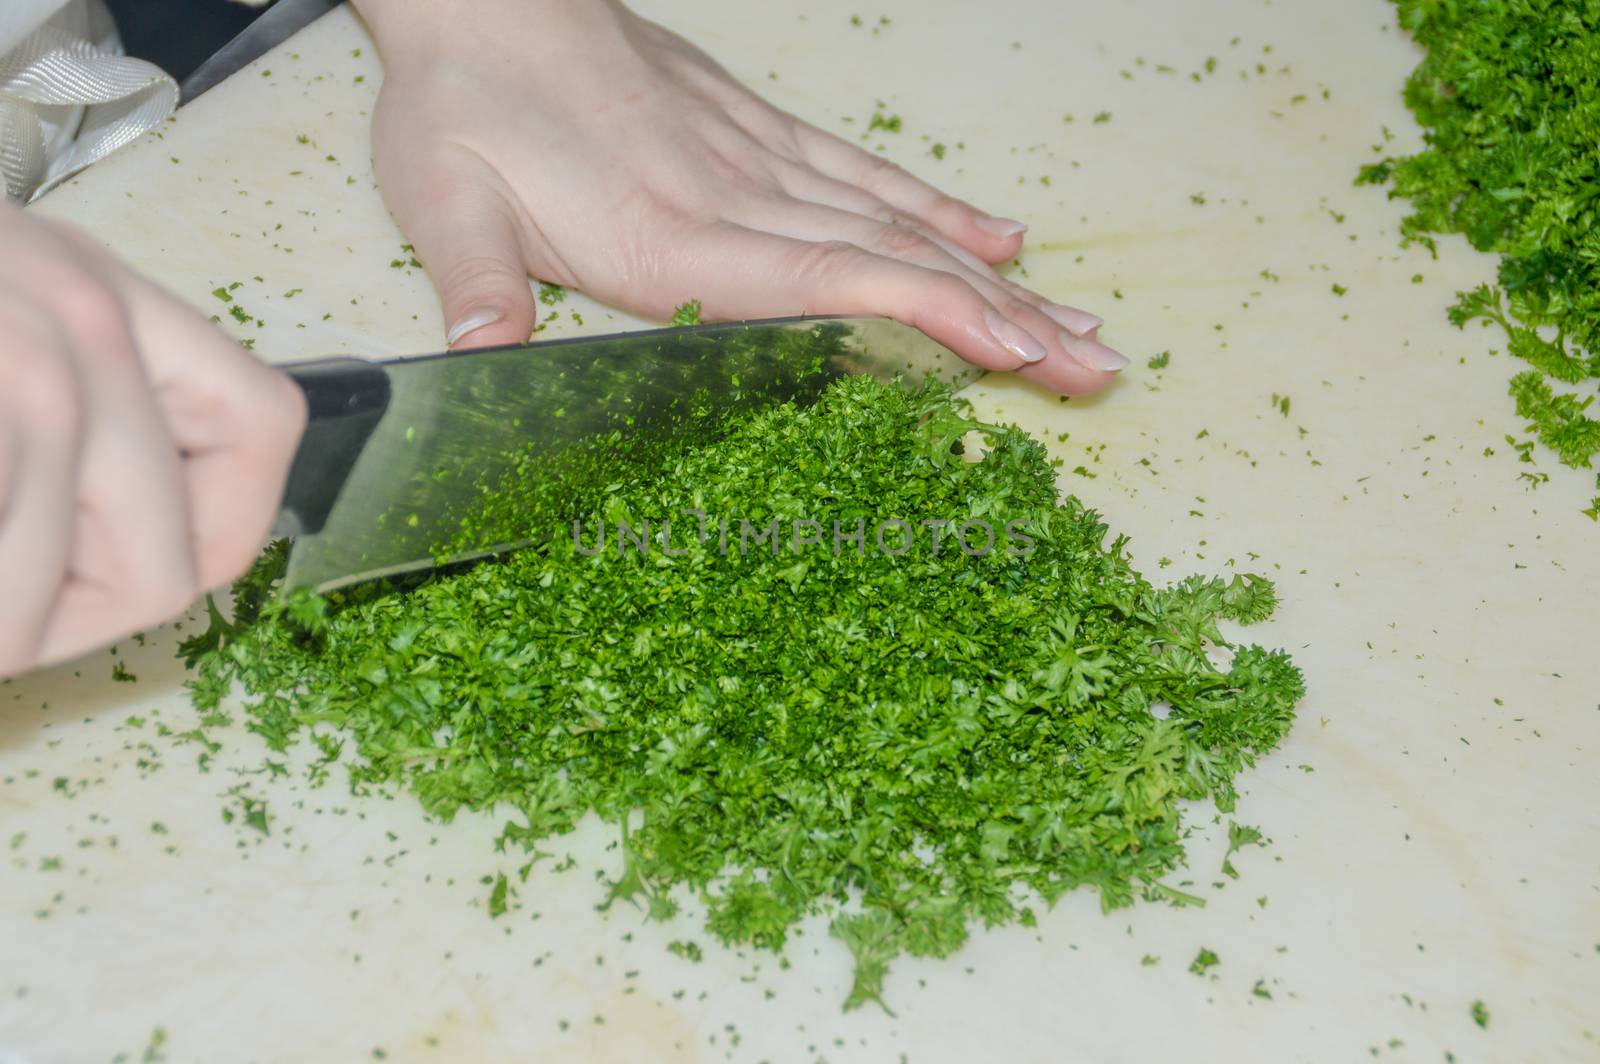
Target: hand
column 142, row 452
column 575, row 142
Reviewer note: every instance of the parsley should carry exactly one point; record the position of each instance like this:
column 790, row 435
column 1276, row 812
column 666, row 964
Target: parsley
column 1480, row 1014
column 1508, row 97
column 887, row 123
column 1204, row 961
column 687, row 314
column 1239, row 836
column 906, row 745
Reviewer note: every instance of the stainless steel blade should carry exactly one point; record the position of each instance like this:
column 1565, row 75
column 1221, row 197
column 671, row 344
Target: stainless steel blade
column 471, row 439
column 274, row 26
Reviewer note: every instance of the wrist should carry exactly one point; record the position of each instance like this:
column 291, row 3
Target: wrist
column 410, row 28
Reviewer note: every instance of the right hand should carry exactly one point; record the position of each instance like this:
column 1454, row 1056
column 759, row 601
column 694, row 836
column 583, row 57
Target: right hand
column 142, row 452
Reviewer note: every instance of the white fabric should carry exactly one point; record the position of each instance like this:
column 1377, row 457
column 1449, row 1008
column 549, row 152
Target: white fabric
column 67, row 97
column 19, row 18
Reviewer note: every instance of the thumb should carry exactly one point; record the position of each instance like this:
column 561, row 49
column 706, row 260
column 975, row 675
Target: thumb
column 467, row 238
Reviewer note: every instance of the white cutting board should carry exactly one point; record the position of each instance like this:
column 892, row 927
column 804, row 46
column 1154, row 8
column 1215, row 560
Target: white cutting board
column 1435, row 838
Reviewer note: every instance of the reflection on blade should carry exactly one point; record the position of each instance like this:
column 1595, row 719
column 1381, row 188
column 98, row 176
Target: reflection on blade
column 474, row 443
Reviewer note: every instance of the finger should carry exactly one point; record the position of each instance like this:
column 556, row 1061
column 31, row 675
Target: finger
column 990, row 238
column 806, row 184
column 1086, row 365
column 40, row 425
column 1077, row 322
column 236, row 421
column 131, row 560
column 749, row 274
column 466, row 233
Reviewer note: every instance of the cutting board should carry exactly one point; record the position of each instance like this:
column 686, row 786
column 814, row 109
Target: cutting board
column 1434, row 839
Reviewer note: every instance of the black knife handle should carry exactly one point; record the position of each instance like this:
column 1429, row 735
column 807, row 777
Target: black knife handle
column 345, row 398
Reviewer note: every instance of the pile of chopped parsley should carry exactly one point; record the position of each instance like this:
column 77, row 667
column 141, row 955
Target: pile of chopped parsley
column 1508, row 97
column 909, row 744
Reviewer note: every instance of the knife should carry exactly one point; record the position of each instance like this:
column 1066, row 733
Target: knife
column 412, row 463
column 271, row 28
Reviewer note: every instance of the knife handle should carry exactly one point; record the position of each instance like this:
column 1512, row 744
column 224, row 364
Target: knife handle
column 345, row 400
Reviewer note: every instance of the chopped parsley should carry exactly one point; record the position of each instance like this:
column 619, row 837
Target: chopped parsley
column 908, row 744
column 887, row 123
column 1508, row 97
column 687, row 314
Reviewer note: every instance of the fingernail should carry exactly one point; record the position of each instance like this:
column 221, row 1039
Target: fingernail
column 1075, row 321
column 1001, row 227
column 475, row 318
column 1014, row 338
column 1091, row 354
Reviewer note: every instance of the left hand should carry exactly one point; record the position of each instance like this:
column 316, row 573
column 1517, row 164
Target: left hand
column 572, row 141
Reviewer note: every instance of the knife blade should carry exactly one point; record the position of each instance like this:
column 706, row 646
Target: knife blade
column 412, row 463
column 271, row 28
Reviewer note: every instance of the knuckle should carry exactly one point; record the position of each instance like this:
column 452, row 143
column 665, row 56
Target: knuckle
column 1018, row 310
column 43, row 393
column 948, row 209
column 732, row 170
column 478, row 275
column 784, row 137
column 952, row 290
column 904, row 242
column 1013, row 289
column 894, row 216
column 880, row 175
column 826, row 258
column 90, row 309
